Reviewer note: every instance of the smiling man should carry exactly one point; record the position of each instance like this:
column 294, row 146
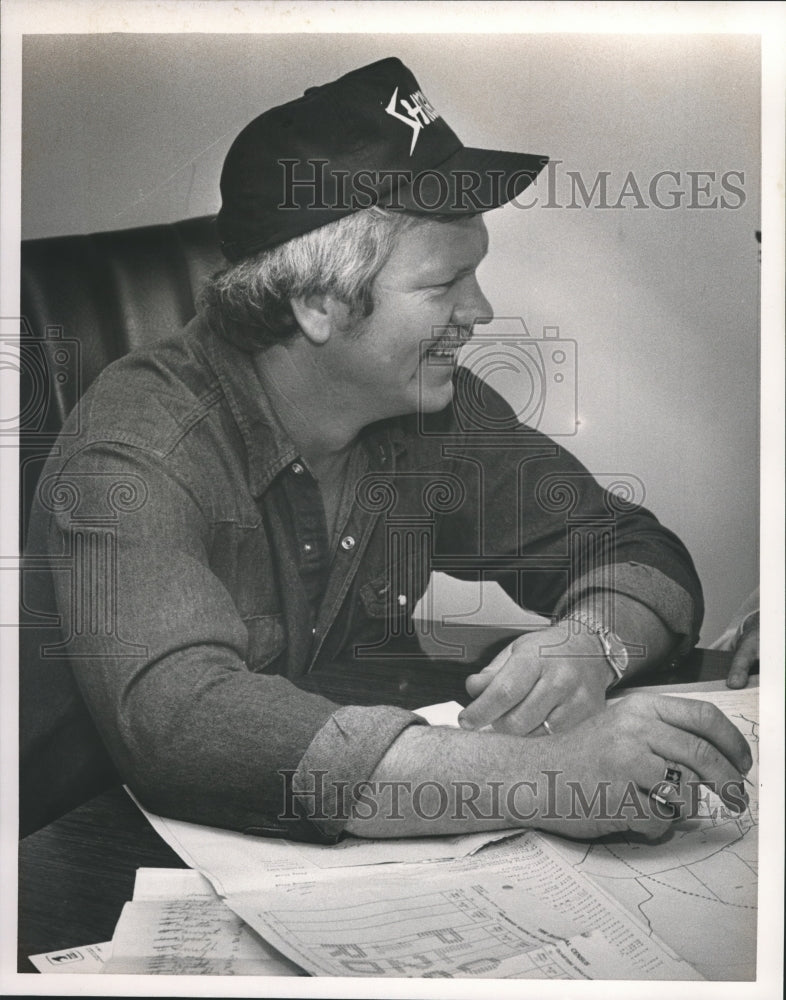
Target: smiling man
column 312, row 406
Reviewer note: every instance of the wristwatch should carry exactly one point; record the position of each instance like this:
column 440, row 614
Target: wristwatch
column 614, row 649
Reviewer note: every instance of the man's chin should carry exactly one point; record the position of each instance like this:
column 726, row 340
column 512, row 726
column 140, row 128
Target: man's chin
column 433, row 398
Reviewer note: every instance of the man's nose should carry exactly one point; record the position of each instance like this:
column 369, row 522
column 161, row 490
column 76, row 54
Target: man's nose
column 474, row 307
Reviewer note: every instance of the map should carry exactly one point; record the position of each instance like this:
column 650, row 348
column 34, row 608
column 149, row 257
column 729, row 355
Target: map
column 696, row 889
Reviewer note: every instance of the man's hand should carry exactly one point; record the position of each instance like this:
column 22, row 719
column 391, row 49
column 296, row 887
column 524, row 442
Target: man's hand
column 622, row 755
column 557, row 675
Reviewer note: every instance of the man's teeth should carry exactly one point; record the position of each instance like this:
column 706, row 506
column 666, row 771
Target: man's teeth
column 444, row 348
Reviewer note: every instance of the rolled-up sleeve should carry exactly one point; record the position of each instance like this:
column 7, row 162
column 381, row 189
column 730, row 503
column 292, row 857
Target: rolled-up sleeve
column 671, row 602
column 340, row 759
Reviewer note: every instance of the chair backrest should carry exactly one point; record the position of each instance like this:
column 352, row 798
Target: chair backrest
column 85, row 301
column 88, row 300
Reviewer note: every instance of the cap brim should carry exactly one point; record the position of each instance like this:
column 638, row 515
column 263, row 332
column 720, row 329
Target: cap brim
column 471, row 181
column 468, row 182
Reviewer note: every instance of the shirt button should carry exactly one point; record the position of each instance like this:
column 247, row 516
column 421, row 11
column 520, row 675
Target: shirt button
column 307, row 547
column 402, row 599
column 297, row 468
column 347, row 543
column 313, row 631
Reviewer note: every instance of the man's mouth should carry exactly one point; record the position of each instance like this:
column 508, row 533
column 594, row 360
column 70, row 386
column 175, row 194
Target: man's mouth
column 445, row 348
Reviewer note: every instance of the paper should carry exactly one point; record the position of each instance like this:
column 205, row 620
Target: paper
column 515, row 910
column 444, row 714
column 176, row 925
column 84, row 959
column 235, row 862
column 150, row 883
column 171, row 883
column 696, row 889
column 189, row 937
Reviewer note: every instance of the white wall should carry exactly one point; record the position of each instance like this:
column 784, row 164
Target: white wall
column 126, row 130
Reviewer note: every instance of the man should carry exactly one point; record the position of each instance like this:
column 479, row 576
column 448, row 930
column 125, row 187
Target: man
column 272, row 469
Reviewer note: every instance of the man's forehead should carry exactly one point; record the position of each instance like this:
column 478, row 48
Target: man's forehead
column 433, row 244
column 466, row 238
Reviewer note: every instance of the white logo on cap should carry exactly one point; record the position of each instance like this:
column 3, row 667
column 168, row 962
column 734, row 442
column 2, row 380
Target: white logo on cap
column 419, row 113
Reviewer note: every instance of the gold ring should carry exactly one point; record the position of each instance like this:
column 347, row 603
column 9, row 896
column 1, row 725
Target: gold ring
column 547, row 727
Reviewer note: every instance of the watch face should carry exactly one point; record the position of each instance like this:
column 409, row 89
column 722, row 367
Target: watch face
column 617, row 653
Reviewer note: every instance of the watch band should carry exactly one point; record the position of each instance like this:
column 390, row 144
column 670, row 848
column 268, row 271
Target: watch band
column 614, row 648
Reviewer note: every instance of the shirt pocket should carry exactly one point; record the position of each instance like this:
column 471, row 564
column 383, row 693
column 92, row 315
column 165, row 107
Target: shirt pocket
column 392, row 595
column 267, row 640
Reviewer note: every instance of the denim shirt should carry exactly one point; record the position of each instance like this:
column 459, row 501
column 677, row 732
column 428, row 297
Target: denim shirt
column 193, row 569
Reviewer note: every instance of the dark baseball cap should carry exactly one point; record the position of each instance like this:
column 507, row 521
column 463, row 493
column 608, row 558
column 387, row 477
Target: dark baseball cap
column 369, row 138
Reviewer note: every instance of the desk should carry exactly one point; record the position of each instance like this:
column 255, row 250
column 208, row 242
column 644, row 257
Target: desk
column 76, row 874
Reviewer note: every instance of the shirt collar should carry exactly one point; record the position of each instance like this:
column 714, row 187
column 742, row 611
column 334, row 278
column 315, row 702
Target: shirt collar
column 268, row 445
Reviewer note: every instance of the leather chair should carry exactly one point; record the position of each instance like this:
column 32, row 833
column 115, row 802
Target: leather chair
column 85, row 301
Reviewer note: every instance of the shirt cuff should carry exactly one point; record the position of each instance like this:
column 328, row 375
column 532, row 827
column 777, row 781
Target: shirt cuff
column 341, row 757
column 650, row 587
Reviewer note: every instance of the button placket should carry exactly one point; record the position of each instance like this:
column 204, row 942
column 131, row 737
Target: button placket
column 311, row 546
column 340, row 583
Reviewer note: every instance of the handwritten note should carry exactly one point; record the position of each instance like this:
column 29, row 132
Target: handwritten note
column 190, row 937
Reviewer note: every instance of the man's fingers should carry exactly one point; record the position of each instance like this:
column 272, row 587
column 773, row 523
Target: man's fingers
column 690, row 752
column 706, row 721
column 528, row 715
column 643, row 814
column 674, row 798
column 560, row 720
column 507, row 688
column 477, row 683
column 746, row 654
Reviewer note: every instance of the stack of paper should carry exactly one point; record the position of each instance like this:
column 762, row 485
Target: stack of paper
column 177, row 925
column 174, row 925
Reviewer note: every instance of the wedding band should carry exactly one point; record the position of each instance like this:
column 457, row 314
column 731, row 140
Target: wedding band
column 547, row 727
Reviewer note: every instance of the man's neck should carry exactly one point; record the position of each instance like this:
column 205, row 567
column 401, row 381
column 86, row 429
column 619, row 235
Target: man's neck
column 321, row 424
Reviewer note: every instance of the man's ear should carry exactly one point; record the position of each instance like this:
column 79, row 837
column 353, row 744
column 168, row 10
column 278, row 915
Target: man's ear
column 319, row 316
column 312, row 315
